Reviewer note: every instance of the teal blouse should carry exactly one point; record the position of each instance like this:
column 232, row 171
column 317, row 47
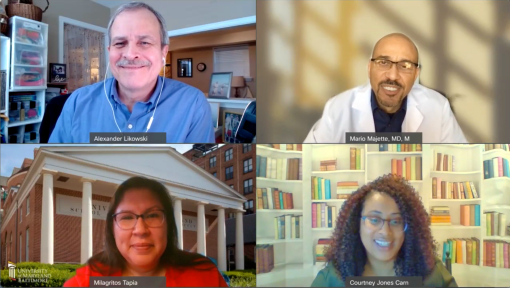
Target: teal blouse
column 440, row 277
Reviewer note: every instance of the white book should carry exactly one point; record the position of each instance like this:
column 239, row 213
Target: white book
column 333, row 216
column 300, row 226
column 502, row 224
column 362, row 159
column 270, row 204
column 473, row 189
column 268, row 167
column 283, row 147
column 288, row 225
column 273, row 166
column 464, row 252
column 276, row 227
column 404, row 169
column 495, row 167
column 293, row 227
column 279, row 164
column 284, row 169
column 434, row 161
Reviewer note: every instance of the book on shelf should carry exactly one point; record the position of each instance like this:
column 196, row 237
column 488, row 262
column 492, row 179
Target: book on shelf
column 284, row 147
column 496, row 253
column 264, row 258
column 280, row 169
column 328, row 165
column 288, row 227
column 496, row 224
column 323, row 216
column 357, row 158
column 409, row 168
column 440, row 215
column 344, row 189
column 443, row 162
column 400, row 147
column 453, row 190
column 470, row 215
column 272, row 198
column 496, row 167
column 321, row 188
column 463, row 250
column 321, row 248
column 505, row 147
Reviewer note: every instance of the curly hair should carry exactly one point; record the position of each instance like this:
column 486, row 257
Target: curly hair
column 416, row 256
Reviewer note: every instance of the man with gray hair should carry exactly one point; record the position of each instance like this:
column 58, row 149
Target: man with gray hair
column 136, row 99
column 393, row 101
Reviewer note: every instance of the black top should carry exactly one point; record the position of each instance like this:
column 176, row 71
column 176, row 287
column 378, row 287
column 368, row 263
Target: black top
column 385, row 122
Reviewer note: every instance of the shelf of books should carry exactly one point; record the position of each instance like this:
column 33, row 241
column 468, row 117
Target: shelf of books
column 465, row 188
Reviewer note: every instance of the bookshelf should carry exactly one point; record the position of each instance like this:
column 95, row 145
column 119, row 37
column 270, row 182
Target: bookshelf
column 494, row 196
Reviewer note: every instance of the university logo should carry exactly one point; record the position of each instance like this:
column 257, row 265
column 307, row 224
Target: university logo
column 12, row 270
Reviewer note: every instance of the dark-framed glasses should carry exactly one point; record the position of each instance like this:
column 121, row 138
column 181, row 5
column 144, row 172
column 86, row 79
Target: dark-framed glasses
column 402, row 66
column 397, row 225
column 127, row 220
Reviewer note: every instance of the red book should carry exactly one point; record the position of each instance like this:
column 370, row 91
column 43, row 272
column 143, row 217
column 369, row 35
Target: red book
column 399, row 167
column 314, row 215
column 500, row 167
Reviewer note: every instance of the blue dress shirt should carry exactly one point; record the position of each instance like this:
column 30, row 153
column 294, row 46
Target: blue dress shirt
column 182, row 112
column 385, row 122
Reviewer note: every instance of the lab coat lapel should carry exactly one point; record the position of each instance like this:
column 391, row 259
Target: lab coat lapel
column 362, row 116
column 414, row 116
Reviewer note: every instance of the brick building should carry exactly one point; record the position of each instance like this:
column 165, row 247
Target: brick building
column 235, row 165
column 62, row 179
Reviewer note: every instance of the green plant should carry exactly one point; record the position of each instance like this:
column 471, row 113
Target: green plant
column 242, row 278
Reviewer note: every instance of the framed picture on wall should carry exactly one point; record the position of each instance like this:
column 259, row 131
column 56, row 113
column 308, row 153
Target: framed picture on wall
column 220, row 85
column 231, row 120
column 57, row 73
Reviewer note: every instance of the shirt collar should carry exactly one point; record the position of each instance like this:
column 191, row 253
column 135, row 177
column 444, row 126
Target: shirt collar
column 373, row 103
column 152, row 100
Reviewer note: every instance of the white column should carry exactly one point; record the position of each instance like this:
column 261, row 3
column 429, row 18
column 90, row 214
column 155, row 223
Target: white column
column 47, row 233
column 239, row 241
column 178, row 221
column 201, row 229
column 86, row 220
column 222, row 240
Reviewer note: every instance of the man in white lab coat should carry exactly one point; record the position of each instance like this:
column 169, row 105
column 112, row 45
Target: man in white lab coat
column 393, row 101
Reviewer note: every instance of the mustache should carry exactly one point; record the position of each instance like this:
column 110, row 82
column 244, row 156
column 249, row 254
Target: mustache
column 390, row 82
column 125, row 62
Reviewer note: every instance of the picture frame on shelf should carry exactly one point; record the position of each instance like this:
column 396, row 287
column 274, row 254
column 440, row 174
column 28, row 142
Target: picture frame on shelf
column 220, row 85
column 231, row 120
column 58, row 73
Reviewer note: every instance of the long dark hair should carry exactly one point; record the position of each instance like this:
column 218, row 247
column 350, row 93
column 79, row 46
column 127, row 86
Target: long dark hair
column 110, row 259
column 416, row 256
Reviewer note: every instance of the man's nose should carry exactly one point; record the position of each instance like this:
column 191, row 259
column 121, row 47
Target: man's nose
column 393, row 73
column 131, row 52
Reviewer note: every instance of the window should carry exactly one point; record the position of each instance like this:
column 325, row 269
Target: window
column 26, row 246
column 212, row 162
column 248, row 206
column 231, row 215
column 248, row 165
column 28, row 206
column 232, row 59
column 229, row 172
column 248, row 186
column 229, row 154
column 215, row 174
column 246, row 148
column 232, row 186
column 20, row 246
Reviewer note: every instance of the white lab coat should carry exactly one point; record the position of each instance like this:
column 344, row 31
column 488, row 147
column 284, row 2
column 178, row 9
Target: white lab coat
column 427, row 112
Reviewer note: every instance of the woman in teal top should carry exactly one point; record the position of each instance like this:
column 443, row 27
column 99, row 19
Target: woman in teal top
column 383, row 230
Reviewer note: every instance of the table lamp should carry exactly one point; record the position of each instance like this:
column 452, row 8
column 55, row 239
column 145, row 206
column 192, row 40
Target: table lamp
column 238, row 82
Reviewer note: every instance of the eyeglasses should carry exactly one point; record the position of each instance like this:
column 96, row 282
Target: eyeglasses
column 396, row 225
column 402, row 66
column 128, row 220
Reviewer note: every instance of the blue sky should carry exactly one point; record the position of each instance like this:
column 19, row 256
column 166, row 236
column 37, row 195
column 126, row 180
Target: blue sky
column 12, row 155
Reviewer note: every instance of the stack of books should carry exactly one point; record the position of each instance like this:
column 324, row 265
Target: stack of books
column 400, row 147
column 288, row 227
column 357, row 159
column 453, row 190
column 323, row 216
column 440, row 216
column 280, row 169
column 496, row 167
column 443, row 162
column 463, row 251
column 505, row 147
column 264, row 258
column 344, row 189
column 495, row 224
column 470, row 215
column 410, row 168
column 321, row 188
column 328, row 165
column 496, row 253
column 321, row 249
column 272, row 198
column 285, row 147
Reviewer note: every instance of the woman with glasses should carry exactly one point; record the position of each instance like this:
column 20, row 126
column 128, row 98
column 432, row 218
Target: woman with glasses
column 383, row 230
column 141, row 240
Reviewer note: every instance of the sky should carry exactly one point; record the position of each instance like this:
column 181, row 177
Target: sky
column 12, row 156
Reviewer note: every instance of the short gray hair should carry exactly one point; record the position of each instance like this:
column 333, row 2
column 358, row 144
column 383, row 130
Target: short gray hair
column 133, row 6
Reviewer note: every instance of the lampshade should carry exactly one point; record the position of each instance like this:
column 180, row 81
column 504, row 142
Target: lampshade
column 237, row 81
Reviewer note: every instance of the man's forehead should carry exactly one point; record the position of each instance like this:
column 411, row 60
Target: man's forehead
column 396, row 46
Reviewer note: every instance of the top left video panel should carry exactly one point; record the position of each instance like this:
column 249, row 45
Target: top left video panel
column 150, row 72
